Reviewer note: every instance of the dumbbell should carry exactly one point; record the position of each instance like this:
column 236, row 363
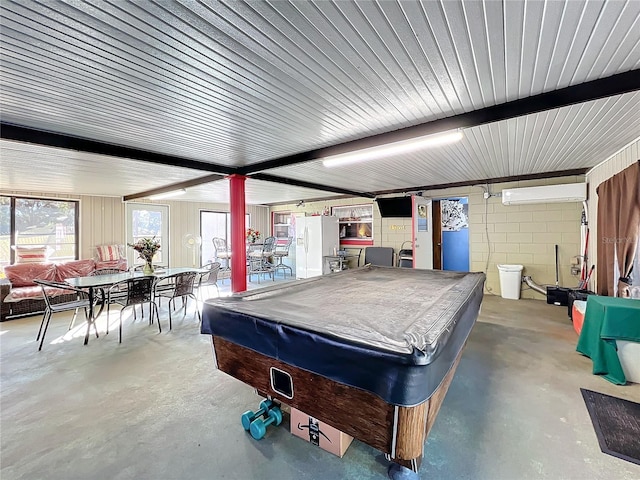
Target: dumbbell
column 249, row 416
column 259, row 426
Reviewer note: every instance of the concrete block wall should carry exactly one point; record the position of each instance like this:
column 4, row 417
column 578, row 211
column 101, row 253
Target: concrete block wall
column 524, row 235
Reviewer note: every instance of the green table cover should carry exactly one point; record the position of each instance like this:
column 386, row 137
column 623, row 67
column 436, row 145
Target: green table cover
column 606, row 320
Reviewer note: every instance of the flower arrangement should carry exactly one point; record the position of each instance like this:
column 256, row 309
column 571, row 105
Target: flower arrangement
column 146, row 248
column 252, row 235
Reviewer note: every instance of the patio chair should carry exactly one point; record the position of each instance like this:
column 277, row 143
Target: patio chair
column 222, row 251
column 179, row 285
column 280, row 253
column 103, row 294
column 51, row 289
column 259, row 263
column 139, row 292
column 208, row 278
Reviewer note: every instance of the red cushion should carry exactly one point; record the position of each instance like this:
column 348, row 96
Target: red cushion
column 23, row 274
column 76, row 268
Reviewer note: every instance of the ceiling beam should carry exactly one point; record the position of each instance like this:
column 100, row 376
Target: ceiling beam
column 584, row 92
column 19, row 133
column 299, row 183
column 174, row 186
column 485, row 181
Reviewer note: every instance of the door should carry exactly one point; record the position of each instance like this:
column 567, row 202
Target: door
column 455, row 234
column 300, row 246
column 314, row 241
column 422, row 233
column 147, row 221
column 437, row 235
column 216, row 224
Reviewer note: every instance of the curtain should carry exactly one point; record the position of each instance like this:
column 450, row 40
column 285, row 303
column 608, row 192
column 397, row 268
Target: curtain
column 618, row 230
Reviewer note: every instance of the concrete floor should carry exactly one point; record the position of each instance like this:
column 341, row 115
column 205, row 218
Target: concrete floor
column 154, row 407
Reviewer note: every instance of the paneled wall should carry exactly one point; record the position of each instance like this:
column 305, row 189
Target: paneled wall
column 605, row 170
column 498, row 234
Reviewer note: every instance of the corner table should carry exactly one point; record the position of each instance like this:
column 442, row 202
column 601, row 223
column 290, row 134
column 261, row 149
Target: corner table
column 606, row 320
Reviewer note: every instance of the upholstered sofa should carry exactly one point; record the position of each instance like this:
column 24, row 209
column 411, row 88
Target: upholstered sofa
column 20, row 296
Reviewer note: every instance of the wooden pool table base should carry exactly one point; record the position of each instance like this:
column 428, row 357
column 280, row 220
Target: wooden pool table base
column 399, row 432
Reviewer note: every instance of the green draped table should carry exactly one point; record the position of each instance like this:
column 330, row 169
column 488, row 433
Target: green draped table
column 606, row 320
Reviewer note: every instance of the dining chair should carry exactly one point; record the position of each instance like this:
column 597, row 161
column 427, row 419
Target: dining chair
column 210, row 277
column 179, row 285
column 259, row 259
column 51, row 289
column 280, row 253
column 222, row 251
column 103, row 294
column 140, row 291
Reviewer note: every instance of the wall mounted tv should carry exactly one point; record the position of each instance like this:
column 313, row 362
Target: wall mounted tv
column 399, row 207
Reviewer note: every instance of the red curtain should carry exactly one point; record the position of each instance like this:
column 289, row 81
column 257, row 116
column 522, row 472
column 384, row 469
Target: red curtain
column 618, row 230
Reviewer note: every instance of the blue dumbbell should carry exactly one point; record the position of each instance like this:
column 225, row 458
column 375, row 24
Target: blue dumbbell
column 249, row 416
column 259, row 426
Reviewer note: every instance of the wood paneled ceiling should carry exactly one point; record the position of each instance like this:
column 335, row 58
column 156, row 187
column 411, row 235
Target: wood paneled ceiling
column 113, row 98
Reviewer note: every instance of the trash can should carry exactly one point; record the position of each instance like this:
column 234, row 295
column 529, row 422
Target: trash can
column 510, row 280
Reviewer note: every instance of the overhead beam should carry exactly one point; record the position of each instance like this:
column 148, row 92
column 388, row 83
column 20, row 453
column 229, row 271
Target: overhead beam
column 19, row 133
column 584, row 92
column 299, row 183
column 174, row 186
column 484, row 181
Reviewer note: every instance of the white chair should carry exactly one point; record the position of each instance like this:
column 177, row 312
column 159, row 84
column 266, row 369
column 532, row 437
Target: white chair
column 259, row 263
column 280, row 253
column 222, row 251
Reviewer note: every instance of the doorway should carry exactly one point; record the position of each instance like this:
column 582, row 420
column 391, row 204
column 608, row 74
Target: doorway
column 215, row 224
column 441, row 233
column 148, row 220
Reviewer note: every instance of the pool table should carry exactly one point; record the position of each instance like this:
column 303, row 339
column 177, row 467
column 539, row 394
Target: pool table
column 370, row 351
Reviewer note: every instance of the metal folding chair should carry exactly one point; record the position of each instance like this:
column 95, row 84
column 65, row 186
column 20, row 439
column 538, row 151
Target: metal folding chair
column 50, row 290
column 175, row 286
column 139, row 291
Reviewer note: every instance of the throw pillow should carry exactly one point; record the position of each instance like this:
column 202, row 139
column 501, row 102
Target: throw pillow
column 31, row 254
column 108, row 253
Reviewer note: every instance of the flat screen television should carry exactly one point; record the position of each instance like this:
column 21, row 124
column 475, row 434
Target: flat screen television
column 399, row 207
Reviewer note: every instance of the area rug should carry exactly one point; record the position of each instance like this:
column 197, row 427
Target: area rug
column 617, row 424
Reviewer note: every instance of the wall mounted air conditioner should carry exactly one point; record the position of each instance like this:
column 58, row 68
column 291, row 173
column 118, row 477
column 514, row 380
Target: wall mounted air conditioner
column 570, row 192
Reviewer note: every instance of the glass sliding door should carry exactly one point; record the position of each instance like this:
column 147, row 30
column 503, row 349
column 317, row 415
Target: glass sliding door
column 147, row 221
column 215, row 224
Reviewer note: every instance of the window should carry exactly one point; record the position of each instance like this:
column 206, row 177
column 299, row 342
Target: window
column 355, row 224
column 38, row 222
column 147, row 221
column 282, row 228
column 215, row 224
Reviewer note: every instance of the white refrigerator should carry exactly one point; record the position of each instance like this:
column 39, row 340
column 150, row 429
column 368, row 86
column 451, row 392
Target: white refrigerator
column 316, row 237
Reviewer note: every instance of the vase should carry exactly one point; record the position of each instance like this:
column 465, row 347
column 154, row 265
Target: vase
column 147, row 268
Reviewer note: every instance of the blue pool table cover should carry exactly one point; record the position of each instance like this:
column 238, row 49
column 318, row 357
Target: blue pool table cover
column 392, row 331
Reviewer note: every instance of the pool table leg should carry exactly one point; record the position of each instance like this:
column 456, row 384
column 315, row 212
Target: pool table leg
column 405, row 469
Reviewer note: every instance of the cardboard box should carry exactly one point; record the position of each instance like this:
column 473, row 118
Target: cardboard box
column 318, row 433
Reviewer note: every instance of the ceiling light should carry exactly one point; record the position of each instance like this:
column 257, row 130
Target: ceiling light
column 172, row 193
column 396, row 148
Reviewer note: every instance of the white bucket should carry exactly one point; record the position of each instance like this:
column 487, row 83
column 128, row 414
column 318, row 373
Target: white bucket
column 510, row 281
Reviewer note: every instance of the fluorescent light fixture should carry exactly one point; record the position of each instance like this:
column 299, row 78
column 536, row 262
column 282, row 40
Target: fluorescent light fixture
column 172, row 193
column 395, row 148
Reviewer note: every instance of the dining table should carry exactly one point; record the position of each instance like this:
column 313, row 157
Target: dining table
column 97, row 283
